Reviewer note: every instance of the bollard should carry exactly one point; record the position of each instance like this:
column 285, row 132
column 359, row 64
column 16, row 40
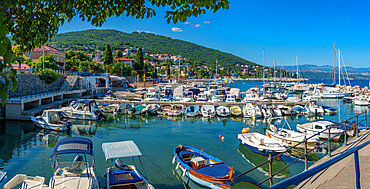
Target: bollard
column 345, row 132
column 305, row 152
column 356, row 125
column 270, row 169
column 329, row 145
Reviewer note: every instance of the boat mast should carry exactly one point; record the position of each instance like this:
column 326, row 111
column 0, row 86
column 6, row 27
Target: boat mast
column 280, row 71
column 334, row 67
column 339, row 66
column 296, row 59
column 274, row 69
column 216, row 67
column 263, row 68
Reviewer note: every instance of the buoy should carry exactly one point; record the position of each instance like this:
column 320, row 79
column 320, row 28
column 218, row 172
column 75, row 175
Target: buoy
column 174, row 159
column 89, row 122
column 219, row 136
column 222, row 138
column 245, row 130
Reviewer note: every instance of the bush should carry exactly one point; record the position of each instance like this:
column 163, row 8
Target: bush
column 49, row 75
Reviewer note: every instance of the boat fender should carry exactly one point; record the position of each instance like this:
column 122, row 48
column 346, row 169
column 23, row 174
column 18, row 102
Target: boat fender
column 174, row 159
column 245, row 130
column 184, row 173
column 89, row 122
column 178, row 165
column 220, row 136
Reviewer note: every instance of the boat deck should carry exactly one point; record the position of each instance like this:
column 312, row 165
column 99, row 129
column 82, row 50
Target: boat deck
column 342, row 174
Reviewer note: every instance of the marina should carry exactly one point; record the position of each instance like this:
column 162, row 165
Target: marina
column 215, row 133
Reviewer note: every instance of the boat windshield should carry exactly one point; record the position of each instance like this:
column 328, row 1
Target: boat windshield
column 75, row 167
column 150, row 96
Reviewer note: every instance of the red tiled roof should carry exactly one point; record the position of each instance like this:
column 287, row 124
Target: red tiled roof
column 47, row 48
column 16, row 65
column 123, row 59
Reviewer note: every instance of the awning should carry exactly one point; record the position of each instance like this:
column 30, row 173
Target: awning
column 73, row 145
column 120, row 149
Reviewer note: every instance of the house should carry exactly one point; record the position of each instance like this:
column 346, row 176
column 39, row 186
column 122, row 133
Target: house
column 23, row 66
column 36, row 53
column 125, row 61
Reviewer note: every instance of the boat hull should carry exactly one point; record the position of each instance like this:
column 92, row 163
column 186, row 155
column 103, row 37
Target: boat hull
column 258, row 151
column 310, row 145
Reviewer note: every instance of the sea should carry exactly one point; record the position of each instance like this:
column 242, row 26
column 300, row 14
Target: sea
column 26, row 149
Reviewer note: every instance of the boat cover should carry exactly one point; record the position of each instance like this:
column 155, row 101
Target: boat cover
column 78, row 145
column 120, row 149
column 216, row 170
column 123, row 177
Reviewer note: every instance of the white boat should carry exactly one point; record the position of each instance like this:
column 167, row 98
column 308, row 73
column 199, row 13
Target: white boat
column 361, row 100
column 329, row 110
column 216, row 98
column 83, row 109
column 291, row 137
column 286, row 110
column 121, row 175
column 332, row 94
column 208, row 111
column 152, row 109
column 192, row 111
column 315, row 127
column 251, row 97
column 315, row 109
column 261, row 144
column 152, row 96
column 76, row 174
column 50, row 119
column 252, row 111
column 177, row 110
column 236, row 93
column 230, row 98
column 122, row 109
column 27, row 182
column 202, row 97
column 235, row 111
column 109, row 108
column 223, row 111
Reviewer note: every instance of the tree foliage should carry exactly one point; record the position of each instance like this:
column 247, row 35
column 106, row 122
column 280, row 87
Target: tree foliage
column 108, row 56
column 32, row 23
column 139, row 62
column 120, row 69
column 119, row 54
column 49, row 75
column 49, row 62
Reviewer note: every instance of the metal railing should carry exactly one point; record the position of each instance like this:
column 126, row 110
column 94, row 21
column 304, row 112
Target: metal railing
column 305, row 155
column 63, row 72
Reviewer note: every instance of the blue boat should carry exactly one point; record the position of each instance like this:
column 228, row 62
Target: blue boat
column 192, row 111
column 202, row 168
column 329, row 110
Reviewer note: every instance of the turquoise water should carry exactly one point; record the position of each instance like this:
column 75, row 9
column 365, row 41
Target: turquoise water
column 26, row 149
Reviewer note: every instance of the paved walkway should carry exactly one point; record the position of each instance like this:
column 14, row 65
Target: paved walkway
column 342, row 174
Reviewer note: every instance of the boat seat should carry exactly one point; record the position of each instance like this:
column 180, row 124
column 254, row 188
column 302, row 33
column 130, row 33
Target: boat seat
column 119, row 177
column 119, row 164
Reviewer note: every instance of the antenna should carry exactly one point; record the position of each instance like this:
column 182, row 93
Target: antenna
column 334, row 67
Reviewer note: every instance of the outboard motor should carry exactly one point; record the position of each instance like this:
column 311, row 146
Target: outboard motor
column 100, row 115
column 77, row 162
column 119, row 164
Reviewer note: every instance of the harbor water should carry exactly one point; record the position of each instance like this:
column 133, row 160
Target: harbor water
column 25, row 149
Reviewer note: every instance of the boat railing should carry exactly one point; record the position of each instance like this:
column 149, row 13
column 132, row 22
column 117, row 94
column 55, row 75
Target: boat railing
column 309, row 172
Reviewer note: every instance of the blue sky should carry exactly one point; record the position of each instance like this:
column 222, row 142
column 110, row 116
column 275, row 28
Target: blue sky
column 285, row 29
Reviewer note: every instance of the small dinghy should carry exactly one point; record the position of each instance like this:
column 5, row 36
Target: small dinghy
column 291, row 137
column 177, row 110
column 235, row 111
column 202, row 168
column 136, row 110
column 261, row 144
column 122, row 109
column 50, row 119
column 329, row 110
column 315, row 109
column 208, row 111
column 192, row 111
column 319, row 126
column 152, row 109
column 299, row 109
column 223, row 111
column 109, row 108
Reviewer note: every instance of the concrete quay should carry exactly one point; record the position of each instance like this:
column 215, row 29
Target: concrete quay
column 342, row 174
column 196, row 103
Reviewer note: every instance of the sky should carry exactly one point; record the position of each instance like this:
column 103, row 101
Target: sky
column 286, row 29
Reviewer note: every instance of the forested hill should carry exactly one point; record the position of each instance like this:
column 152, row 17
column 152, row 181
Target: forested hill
column 151, row 42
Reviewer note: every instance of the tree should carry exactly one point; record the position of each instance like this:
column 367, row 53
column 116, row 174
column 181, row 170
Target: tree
column 32, row 23
column 139, row 61
column 119, row 54
column 108, row 57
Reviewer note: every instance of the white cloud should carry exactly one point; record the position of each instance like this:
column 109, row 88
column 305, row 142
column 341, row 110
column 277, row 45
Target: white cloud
column 206, row 22
column 176, row 29
column 187, row 23
column 142, row 31
column 197, row 25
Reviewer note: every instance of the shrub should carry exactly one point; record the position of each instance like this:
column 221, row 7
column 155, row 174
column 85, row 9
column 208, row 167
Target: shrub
column 49, row 75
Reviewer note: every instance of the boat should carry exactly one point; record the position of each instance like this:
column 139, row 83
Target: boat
column 78, row 173
column 27, row 182
column 361, row 100
column 122, row 109
column 315, row 109
column 2, row 175
column 315, row 127
column 230, row 98
column 216, row 98
column 202, row 97
column 192, row 111
column 236, row 93
column 202, row 168
column 121, row 175
column 291, row 137
column 136, row 110
column 152, row 109
column 177, row 110
column 261, row 144
column 329, row 110
column 50, row 119
column 286, row 110
column 109, row 108
column 299, row 109
column 208, row 111
column 252, row 111
column 332, row 94
column 83, row 109
column 235, row 111
column 152, row 96
column 223, row 111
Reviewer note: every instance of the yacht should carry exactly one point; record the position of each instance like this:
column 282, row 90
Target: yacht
column 83, row 109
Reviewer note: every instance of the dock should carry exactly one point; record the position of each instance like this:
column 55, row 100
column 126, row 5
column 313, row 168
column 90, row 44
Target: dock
column 342, row 174
column 197, row 103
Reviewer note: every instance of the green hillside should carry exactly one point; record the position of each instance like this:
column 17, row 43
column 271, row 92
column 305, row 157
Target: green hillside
column 151, row 42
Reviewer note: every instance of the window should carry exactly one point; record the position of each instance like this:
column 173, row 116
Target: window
column 57, row 59
column 61, row 59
